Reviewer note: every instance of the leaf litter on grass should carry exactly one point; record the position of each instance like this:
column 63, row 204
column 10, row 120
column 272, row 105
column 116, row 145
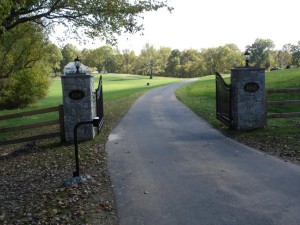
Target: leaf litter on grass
column 32, row 187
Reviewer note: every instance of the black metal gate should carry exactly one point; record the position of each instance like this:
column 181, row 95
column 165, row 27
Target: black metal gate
column 99, row 103
column 223, row 100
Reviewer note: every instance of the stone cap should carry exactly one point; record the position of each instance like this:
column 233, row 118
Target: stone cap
column 74, row 75
column 70, row 68
column 248, row 68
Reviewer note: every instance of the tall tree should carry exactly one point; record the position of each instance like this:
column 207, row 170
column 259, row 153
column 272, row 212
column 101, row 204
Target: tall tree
column 69, row 53
column 295, row 49
column 285, row 56
column 102, row 58
column 148, row 59
column 191, row 63
column 228, row 56
column 210, row 59
column 163, row 54
column 24, row 66
column 128, row 58
column 55, row 59
column 222, row 58
column 173, row 66
column 98, row 18
column 261, row 51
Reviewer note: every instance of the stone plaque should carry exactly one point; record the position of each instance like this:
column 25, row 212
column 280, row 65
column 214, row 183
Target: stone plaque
column 251, row 87
column 76, row 94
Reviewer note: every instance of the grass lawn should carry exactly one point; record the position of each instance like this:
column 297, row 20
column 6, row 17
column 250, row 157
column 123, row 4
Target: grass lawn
column 281, row 136
column 115, row 86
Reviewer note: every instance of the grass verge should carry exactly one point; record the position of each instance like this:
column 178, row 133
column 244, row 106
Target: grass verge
column 281, row 137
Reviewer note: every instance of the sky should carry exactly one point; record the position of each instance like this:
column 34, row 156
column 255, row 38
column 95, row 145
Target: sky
column 202, row 24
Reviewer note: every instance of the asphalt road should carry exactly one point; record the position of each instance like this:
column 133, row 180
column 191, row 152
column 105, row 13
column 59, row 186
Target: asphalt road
column 169, row 167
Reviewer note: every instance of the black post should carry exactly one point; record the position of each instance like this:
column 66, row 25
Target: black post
column 95, row 123
column 247, row 62
column 151, row 69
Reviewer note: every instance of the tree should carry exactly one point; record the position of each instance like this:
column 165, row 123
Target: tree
column 284, row 58
column 295, row 49
column 128, row 58
column 210, row 59
column 261, row 51
column 102, row 58
column 98, row 18
column 118, row 63
column 107, row 54
column 191, row 63
column 69, row 53
column 55, row 59
column 147, row 61
column 228, row 57
column 163, row 54
column 173, row 66
column 24, row 66
column 222, row 58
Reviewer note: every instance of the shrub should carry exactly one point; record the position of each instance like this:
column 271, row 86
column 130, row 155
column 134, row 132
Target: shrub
column 24, row 87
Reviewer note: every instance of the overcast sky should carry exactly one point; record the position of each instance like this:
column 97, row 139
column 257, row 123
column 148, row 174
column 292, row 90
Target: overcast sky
column 211, row 23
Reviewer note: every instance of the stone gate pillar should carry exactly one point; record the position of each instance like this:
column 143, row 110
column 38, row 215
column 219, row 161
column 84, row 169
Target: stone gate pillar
column 78, row 104
column 248, row 99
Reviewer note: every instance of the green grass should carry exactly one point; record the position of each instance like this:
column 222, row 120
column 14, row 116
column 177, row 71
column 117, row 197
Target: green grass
column 115, row 86
column 281, row 135
column 200, row 95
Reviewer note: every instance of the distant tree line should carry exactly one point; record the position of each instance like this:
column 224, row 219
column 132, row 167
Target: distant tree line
column 187, row 63
column 28, row 59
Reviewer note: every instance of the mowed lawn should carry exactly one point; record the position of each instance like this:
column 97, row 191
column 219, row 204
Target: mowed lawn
column 281, row 136
column 115, row 88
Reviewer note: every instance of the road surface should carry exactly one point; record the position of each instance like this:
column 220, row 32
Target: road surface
column 170, row 167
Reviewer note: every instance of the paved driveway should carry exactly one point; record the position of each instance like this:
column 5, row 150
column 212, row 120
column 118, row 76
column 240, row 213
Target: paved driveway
column 169, row 167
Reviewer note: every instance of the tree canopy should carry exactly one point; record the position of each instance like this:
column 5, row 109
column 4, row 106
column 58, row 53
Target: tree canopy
column 24, row 66
column 261, row 52
column 97, row 18
column 27, row 57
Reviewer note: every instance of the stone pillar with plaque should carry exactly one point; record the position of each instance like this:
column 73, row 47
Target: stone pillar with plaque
column 78, row 104
column 248, row 98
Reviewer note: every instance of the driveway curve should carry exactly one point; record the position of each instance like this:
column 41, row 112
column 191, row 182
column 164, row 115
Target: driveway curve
column 170, row 167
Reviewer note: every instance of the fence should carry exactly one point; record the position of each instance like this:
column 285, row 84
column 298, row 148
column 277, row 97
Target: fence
column 283, row 103
column 59, row 121
column 223, row 100
column 99, row 104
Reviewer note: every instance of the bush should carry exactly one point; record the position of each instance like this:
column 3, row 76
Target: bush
column 24, row 87
column 24, row 66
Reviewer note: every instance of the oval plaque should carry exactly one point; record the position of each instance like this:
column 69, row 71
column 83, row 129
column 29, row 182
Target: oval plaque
column 251, row 87
column 76, row 94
